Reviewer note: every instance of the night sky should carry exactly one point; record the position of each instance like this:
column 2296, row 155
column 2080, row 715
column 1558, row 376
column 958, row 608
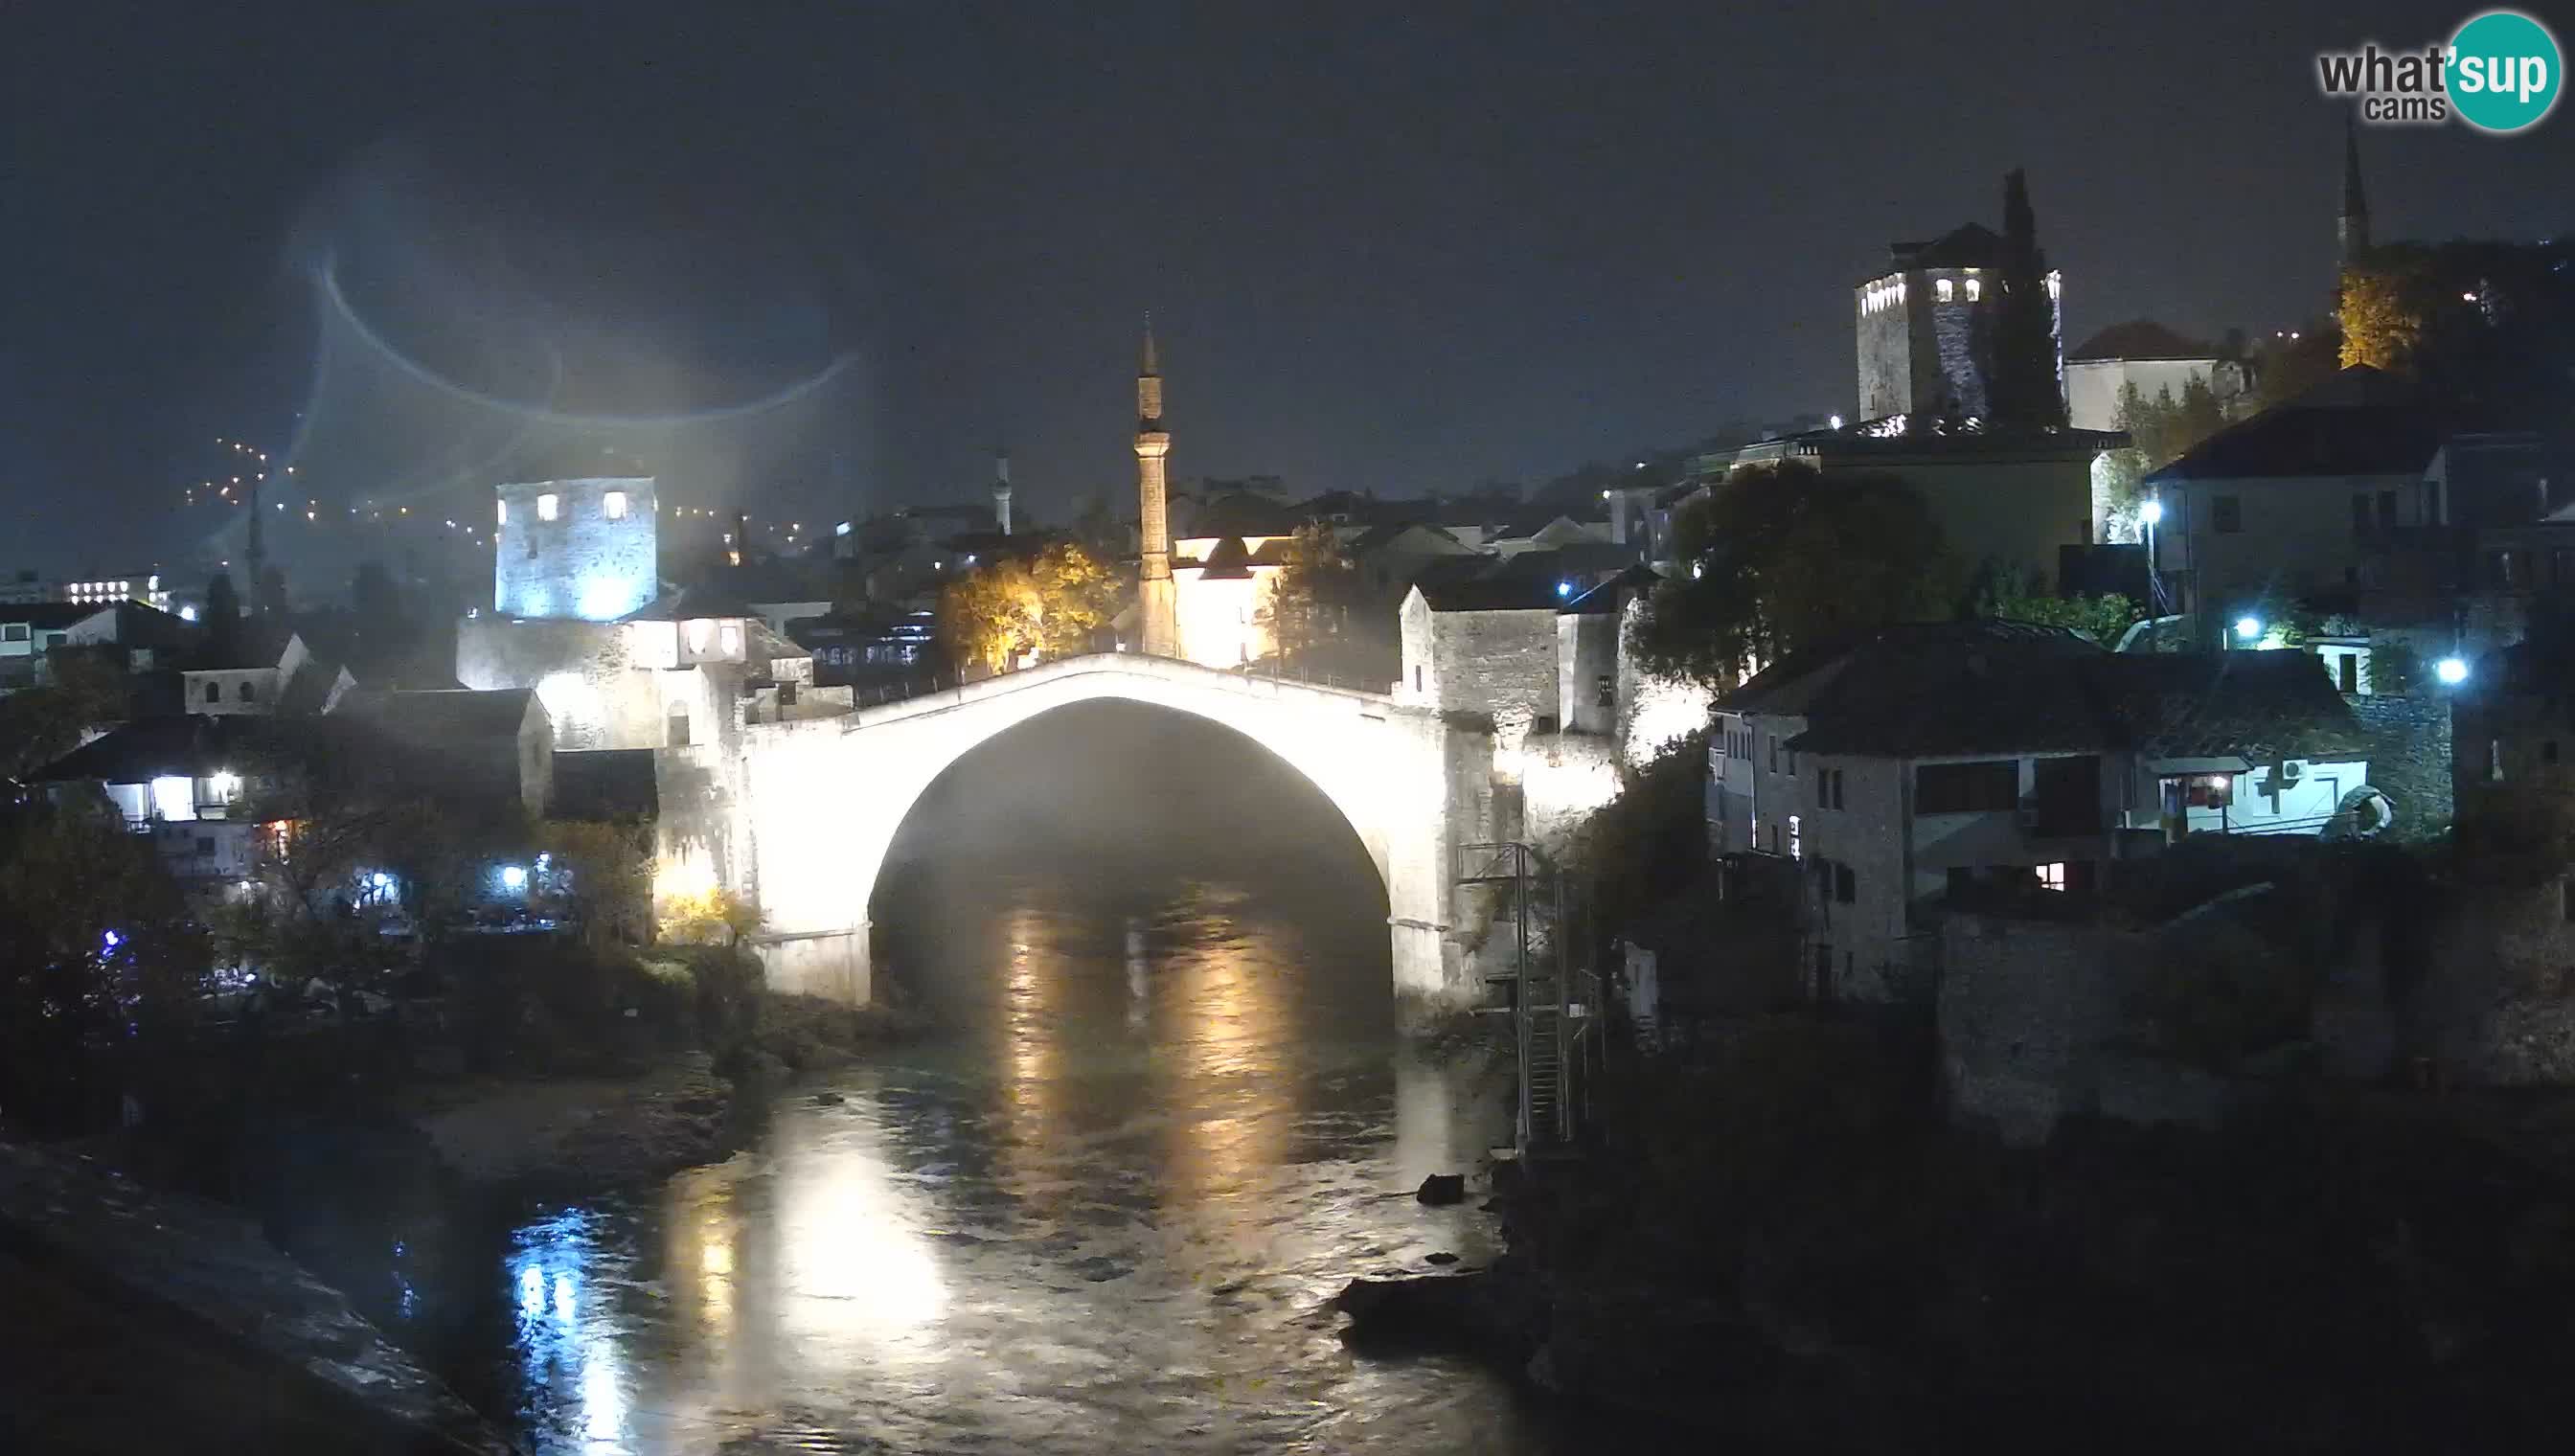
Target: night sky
column 823, row 259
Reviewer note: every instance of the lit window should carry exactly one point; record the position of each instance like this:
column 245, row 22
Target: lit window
column 505, row 514
column 1945, row 287
column 547, row 505
column 1976, row 289
column 2051, row 876
column 1796, row 841
column 732, row 638
column 616, row 506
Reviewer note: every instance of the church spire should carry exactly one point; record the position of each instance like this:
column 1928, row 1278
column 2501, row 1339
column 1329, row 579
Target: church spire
column 2351, row 229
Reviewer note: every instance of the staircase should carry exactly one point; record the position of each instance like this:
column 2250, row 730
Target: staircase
column 1550, row 1005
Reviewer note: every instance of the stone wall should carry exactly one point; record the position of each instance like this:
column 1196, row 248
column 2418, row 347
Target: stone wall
column 2409, row 758
column 1496, row 665
column 584, row 564
column 595, row 698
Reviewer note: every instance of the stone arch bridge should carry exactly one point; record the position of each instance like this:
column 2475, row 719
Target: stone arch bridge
column 799, row 815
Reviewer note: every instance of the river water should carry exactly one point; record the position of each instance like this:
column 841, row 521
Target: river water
column 1162, row 1117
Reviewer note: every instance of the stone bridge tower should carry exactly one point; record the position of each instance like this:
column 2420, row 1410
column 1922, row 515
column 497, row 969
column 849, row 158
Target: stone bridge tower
column 1157, row 600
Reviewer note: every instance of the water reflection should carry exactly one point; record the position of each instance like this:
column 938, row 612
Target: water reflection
column 1108, row 1209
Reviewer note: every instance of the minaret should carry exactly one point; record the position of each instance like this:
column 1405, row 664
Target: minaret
column 2351, row 230
column 1157, row 600
column 1001, row 491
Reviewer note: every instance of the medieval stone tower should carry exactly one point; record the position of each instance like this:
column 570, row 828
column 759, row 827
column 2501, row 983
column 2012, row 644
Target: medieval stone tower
column 1157, row 600
column 582, row 550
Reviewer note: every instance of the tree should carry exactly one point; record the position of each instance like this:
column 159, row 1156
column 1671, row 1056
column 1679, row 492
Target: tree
column 2382, row 316
column 2160, row 430
column 2289, row 364
column 1009, row 610
column 1311, row 596
column 97, row 949
column 223, row 604
column 2022, row 357
column 708, row 916
column 602, row 876
column 2103, row 617
column 1776, row 558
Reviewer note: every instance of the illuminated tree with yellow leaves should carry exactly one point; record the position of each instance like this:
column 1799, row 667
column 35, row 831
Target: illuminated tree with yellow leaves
column 2382, row 319
column 1010, row 612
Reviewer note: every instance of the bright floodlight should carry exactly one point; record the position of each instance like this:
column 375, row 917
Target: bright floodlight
column 2451, row 670
column 1837, row 422
column 2248, row 627
column 1564, row 588
column 2151, row 513
column 514, row 877
column 381, row 880
column 187, row 613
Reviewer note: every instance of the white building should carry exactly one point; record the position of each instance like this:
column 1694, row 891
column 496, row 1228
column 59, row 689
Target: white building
column 1952, row 762
column 2151, row 358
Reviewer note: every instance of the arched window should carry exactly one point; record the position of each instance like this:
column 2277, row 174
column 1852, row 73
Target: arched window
column 1944, row 287
column 249, row 692
column 214, row 692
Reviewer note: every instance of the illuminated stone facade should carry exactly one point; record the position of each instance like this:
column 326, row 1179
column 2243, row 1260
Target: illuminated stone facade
column 582, row 550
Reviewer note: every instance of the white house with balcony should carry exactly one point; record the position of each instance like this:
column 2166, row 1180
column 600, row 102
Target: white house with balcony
column 1941, row 763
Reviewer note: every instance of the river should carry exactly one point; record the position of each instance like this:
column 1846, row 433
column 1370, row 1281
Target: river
column 1162, row 1117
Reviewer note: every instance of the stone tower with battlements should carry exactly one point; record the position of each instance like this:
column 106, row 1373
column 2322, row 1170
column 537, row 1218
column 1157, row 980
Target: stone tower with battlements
column 1157, row 599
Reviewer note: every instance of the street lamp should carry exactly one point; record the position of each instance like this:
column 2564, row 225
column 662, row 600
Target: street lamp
column 2248, row 627
column 2451, row 670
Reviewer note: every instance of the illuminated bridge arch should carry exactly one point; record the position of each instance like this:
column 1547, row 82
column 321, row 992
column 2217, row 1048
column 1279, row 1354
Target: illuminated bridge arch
column 814, row 806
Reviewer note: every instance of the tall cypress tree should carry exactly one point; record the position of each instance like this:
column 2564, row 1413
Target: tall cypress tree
column 2021, row 362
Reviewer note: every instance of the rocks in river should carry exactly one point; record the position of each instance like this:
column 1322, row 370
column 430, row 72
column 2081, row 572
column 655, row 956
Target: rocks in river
column 1494, row 1310
column 1443, row 1257
column 1441, row 1189
column 829, row 1100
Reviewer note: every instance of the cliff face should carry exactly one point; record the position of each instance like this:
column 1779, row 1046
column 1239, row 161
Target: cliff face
column 144, row 1321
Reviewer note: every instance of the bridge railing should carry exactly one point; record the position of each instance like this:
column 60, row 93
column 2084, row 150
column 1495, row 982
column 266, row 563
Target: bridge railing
column 880, row 694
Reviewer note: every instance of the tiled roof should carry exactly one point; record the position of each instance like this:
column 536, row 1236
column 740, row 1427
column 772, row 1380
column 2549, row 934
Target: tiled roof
column 442, row 714
column 1952, row 688
column 2358, row 422
column 2139, row 339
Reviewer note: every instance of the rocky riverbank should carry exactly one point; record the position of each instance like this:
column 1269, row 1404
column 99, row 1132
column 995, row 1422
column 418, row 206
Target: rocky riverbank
column 145, row 1320
column 1788, row 1246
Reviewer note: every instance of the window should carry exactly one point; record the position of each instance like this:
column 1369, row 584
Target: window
column 2208, row 790
column 787, row 694
column 1417, row 677
column 2566, row 899
column 730, row 637
column 1968, row 788
column 613, row 505
column 2347, row 665
column 1845, row 884
column 1945, row 287
column 205, row 844
column 1605, row 691
column 1837, row 778
column 2051, row 876
column 1797, row 839
column 13, row 632
column 214, row 692
column 1775, row 752
column 2387, row 509
column 548, row 505
column 2226, row 514
column 2494, row 760
column 502, row 518
column 2360, row 516
column 1976, row 289
column 249, row 692
column 1792, row 763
